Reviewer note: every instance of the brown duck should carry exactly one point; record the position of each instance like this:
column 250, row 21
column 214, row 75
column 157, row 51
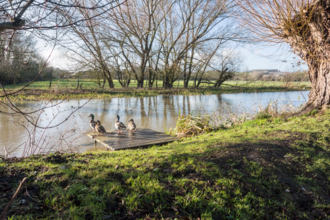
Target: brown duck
column 131, row 125
column 99, row 128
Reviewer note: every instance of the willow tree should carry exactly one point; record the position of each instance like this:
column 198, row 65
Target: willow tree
column 304, row 25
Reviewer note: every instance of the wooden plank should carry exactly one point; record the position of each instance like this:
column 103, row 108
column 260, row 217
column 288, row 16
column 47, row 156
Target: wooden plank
column 140, row 138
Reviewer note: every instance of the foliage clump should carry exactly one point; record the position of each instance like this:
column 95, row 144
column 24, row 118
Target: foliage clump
column 189, row 125
column 272, row 110
column 192, row 125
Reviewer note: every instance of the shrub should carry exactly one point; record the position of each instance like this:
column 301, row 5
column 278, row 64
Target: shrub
column 256, row 76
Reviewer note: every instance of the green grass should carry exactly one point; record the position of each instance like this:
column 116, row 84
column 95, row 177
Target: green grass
column 62, row 89
column 91, row 84
column 272, row 168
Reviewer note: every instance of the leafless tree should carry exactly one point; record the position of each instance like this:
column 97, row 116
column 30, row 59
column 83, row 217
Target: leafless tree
column 47, row 19
column 21, row 61
column 88, row 48
column 203, row 63
column 155, row 36
column 134, row 26
column 123, row 71
column 189, row 24
column 303, row 24
column 226, row 64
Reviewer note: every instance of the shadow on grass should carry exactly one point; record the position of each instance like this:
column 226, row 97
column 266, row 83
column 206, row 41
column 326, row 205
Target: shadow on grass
column 284, row 179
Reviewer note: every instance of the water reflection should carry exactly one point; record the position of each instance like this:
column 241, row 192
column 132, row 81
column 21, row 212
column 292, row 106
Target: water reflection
column 155, row 112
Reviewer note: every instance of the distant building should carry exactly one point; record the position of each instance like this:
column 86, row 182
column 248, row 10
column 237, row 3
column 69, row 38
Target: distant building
column 269, row 72
column 265, row 71
column 276, row 74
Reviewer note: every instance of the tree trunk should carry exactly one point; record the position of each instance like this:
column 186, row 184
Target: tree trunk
column 218, row 83
column 199, row 82
column 140, row 83
column 319, row 97
column 110, row 83
column 186, row 83
column 222, row 77
column 103, row 84
column 166, row 83
column 51, row 78
column 108, row 77
column 309, row 39
column 152, row 77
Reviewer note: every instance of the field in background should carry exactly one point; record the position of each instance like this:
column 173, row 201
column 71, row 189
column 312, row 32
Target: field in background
column 91, row 84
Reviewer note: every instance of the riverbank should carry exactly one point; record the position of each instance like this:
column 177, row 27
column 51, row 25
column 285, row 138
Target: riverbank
column 271, row 168
column 64, row 91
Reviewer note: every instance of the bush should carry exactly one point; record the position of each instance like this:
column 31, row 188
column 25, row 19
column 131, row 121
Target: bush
column 256, row 76
column 268, row 78
column 263, row 115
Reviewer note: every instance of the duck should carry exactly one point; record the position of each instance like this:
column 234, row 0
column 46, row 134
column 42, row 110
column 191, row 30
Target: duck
column 131, row 125
column 99, row 128
column 119, row 125
column 92, row 123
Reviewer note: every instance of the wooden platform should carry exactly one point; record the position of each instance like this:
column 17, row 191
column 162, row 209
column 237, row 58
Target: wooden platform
column 142, row 137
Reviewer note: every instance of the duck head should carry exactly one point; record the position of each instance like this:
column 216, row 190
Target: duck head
column 98, row 122
column 131, row 120
column 117, row 117
column 92, row 116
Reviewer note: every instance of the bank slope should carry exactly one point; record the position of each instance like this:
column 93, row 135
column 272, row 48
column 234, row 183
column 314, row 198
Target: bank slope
column 263, row 169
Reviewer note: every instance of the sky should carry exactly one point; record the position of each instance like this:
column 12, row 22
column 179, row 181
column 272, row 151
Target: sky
column 254, row 57
column 57, row 58
column 270, row 57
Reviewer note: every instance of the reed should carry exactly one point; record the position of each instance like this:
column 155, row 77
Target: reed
column 224, row 118
column 188, row 125
column 273, row 110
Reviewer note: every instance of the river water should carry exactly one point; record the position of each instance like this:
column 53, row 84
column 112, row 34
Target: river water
column 155, row 112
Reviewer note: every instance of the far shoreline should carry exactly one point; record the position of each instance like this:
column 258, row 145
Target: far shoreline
column 76, row 94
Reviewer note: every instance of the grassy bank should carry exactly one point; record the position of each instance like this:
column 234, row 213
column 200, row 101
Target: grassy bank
column 62, row 89
column 271, row 168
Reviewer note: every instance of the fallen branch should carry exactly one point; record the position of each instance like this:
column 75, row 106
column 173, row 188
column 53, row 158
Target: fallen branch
column 2, row 216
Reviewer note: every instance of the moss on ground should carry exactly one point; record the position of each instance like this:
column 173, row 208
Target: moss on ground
column 272, row 168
